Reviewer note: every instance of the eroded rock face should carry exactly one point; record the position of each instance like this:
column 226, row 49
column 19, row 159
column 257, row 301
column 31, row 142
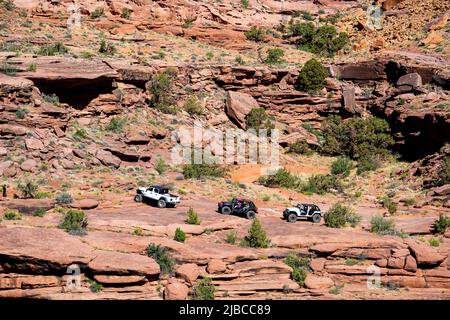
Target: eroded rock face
column 425, row 255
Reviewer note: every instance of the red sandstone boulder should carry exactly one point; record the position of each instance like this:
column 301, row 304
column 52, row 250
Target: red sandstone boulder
column 315, row 282
column 189, row 272
column 426, row 256
column 176, row 291
column 238, row 107
column 216, row 266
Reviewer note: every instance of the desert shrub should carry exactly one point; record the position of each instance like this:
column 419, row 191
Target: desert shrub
column 160, row 166
column 409, row 202
column 281, row 178
column 180, row 236
column 80, row 134
column 51, row 98
column 245, row 4
column 161, row 89
column 28, row 189
column 389, row 205
column 204, row 289
column 8, row 5
column 441, row 224
column 370, row 163
column 162, row 257
column 74, row 221
column 116, row 124
column 312, row 76
column 444, row 173
column 357, row 138
column 8, row 68
column 138, row 231
column 193, row 106
column 192, row 217
column 125, row 13
column 21, row 113
column 341, row 166
column 97, row 13
column 52, row 49
column 434, row 242
column 107, row 48
column 94, row 286
column 299, row 276
column 274, row 56
column 203, row 170
column 231, row 237
column 324, row 40
column 338, row 216
column 255, row 34
column 259, row 119
column 40, row 212
column 188, row 23
column 337, row 289
column 352, row 261
column 381, row 225
column 300, row 147
column 256, row 237
column 64, row 198
column 300, row 268
column 322, row 183
column 12, row 214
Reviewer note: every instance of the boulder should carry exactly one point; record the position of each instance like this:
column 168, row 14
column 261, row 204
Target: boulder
column 3, row 152
column 120, row 280
column 396, row 262
column 29, row 165
column 315, row 282
column 189, row 272
column 216, row 266
column 425, row 256
column 108, row 159
column 238, row 106
column 409, row 81
column 317, row 264
column 433, row 39
column 176, row 291
column 348, row 97
column 84, row 204
column 442, row 191
column 34, row 144
column 410, row 264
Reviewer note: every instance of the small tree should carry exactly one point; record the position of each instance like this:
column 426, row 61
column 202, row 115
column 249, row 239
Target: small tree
column 442, row 224
column 274, row 56
column 258, row 119
column 444, row 172
column 162, row 257
column 160, row 166
column 192, row 217
column 312, row 76
column 341, row 166
column 161, row 89
column 300, row 268
column 256, row 237
column 255, row 34
column 204, row 289
column 74, row 221
column 339, row 216
column 180, row 236
column 193, row 106
column 28, row 189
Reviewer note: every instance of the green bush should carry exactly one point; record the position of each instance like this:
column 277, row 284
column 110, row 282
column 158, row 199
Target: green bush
column 162, row 257
column 300, row 268
column 341, row 166
column 94, row 286
column 51, row 98
column 282, row 178
column 116, row 124
column 322, row 183
column 125, row 13
column 299, row 276
column 64, row 198
column 160, row 166
column 28, row 189
column 245, row 4
column 338, row 216
column 357, row 138
column 74, row 221
column 161, row 89
column 138, row 232
column 389, row 205
column 255, row 34
column 11, row 214
column 193, row 106
column 97, row 13
column 381, row 225
column 324, row 40
column 204, row 289
column 274, row 56
column 180, row 236
column 231, row 237
column 80, row 134
column 21, row 113
column 444, row 173
column 370, row 163
column 312, row 76
column 52, row 49
column 258, row 119
column 192, row 217
column 300, row 147
column 441, row 224
column 107, row 48
column 256, row 237
column 203, row 170
column 8, row 5
column 40, row 212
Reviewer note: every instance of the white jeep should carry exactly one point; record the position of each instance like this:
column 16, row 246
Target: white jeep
column 303, row 211
column 159, row 194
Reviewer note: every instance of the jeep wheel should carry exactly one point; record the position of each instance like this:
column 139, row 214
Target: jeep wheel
column 316, row 218
column 292, row 217
column 162, row 203
column 138, row 198
column 225, row 210
column 251, row 214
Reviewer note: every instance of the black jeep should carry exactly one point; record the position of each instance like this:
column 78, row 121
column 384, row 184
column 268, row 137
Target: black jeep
column 238, row 206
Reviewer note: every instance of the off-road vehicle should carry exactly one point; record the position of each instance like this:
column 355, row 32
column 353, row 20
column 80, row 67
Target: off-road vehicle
column 238, row 206
column 158, row 194
column 303, row 211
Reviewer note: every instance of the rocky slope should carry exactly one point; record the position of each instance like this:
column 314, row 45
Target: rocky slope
column 55, row 112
